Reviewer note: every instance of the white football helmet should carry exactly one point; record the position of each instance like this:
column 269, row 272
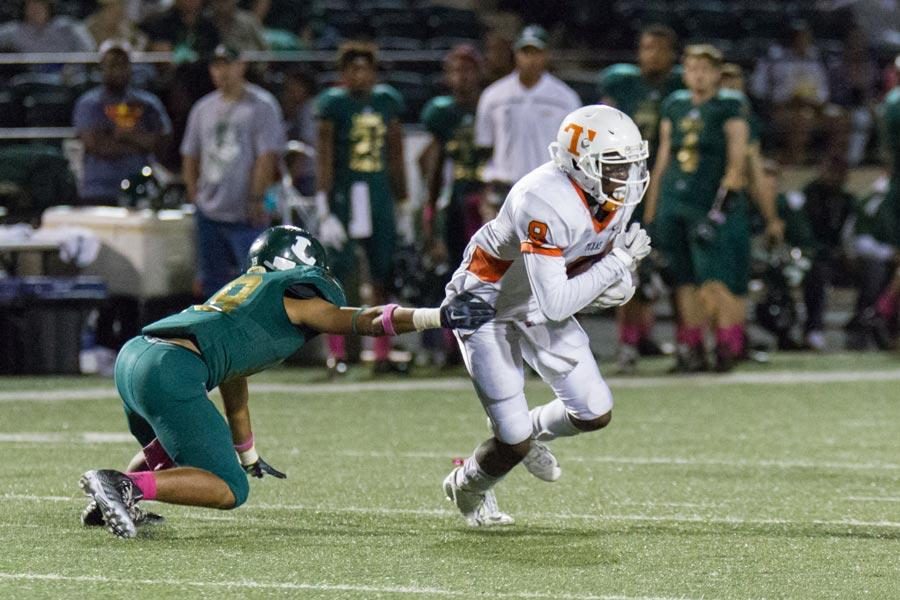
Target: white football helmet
column 597, row 143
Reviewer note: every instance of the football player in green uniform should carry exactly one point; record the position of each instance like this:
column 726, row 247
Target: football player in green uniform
column 452, row 165
column 638, row 91
column 697, row 209
column 765, row 197
column 451, row 120
column 191, row 455
column 360, row 175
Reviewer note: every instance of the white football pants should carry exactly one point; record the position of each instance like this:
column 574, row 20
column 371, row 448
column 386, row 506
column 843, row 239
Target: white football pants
column 559, row 352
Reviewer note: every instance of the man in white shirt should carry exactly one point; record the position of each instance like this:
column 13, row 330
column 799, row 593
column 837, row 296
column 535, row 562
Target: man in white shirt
column 558, row 244
column 518, row 113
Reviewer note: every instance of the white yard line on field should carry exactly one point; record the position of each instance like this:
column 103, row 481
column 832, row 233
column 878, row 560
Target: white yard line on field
column 55, row 437
column 443, row 512
column 319, row 587
column 96, row 437
column 463, row 384
column 874, row 498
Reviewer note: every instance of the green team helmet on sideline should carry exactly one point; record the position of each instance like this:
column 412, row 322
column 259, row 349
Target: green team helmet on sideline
column 286, row 247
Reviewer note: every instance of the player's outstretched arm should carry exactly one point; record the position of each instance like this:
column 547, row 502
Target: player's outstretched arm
column 465, row 311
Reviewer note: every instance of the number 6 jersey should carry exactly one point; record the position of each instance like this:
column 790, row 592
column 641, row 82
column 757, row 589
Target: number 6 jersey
column 518, row 261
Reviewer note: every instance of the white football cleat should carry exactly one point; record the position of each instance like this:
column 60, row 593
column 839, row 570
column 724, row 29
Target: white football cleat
column 541, row 463
column 478, row 509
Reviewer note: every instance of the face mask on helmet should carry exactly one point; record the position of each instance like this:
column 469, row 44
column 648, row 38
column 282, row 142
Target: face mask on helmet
column 286, row 247
column 601, row 149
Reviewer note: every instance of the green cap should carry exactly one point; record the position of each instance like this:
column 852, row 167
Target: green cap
column 534, row 36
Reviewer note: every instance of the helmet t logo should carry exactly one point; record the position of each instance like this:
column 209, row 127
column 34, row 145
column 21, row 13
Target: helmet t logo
column 577, row 130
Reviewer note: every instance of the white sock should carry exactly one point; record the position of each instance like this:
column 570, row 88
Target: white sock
column 473, row 479
column 550, row 421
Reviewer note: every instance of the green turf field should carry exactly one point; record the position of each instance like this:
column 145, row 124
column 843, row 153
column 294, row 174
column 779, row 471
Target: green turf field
column 773, row 482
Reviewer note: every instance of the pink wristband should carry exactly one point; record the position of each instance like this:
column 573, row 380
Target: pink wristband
column 387, row 319
column 243, row 447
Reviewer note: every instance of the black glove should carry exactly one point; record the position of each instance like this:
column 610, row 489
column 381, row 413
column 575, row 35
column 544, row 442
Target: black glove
column 260, row 468
column 466, row 311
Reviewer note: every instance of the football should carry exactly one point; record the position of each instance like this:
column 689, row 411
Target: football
column 582, row 264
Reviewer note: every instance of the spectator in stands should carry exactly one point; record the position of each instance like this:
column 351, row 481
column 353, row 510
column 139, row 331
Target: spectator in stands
column 853, row 79
column 40, row 31
column 699, row 215
column 237, row 28
column 183, row 30
column 638, row 90
column 120, row 126
column 360, row 178
column 793, row 81
column 297, row 98
column 817, row 216
column 230, row 153
column 518, row 113
column 110, row 22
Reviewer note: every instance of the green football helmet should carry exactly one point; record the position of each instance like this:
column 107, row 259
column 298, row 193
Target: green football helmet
column 287, row 247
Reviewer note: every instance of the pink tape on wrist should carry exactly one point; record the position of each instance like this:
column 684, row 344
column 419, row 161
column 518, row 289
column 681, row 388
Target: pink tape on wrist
column 387, row 319
column 244, row 446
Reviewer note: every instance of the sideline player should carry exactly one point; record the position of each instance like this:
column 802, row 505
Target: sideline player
column 360, row 176
column 191, row 454
column 698, row 210
column 638, row 91
column 569, row 214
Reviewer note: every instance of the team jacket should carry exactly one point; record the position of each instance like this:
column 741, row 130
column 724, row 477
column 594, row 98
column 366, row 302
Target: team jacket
column 518, row 261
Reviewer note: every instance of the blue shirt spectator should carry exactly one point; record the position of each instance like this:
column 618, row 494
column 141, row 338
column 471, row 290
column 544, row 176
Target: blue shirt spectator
column 120, row 127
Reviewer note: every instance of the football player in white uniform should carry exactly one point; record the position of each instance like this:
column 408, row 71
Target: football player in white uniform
column 558, row 244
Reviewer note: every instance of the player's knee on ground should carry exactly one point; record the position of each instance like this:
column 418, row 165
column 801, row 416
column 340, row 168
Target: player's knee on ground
column 240, row 490
column 592, row 424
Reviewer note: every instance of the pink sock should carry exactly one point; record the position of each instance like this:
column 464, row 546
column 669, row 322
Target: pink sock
column 382, row 347
column 731, row 339
column 645, row 329
column 146, row 482
column 690, row 336
column 886, row 305
column 337, row 347
column 156, row 457
column 629, row 335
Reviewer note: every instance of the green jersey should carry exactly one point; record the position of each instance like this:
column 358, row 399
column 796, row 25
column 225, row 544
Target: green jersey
column 699, row 147
column 454, row 127
column 243, row 328
column 878, row 215
column 639, row 97
column 360, row 132
column 890, row 114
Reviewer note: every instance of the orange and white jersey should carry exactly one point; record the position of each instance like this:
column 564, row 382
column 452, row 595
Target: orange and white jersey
column 518, row 261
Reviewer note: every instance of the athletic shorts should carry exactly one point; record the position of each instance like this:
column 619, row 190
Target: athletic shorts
column 378, row 248
column 163, row 390
column 692, row 259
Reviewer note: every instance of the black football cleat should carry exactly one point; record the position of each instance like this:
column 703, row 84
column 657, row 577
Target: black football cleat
column 92, row 516
column 115, row 495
